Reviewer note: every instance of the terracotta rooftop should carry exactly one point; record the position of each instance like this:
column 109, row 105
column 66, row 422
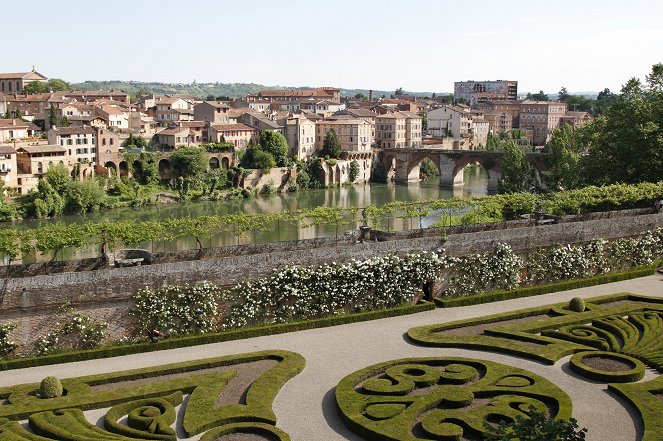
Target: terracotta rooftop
column 74, row 130
column 32, row 149
column 225, row 127
column 7, row 150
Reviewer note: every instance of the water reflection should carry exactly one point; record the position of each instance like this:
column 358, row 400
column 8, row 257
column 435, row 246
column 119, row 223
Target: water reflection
column 377, row 194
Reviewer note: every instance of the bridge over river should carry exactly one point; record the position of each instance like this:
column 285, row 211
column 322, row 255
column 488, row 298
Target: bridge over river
column 402, row 164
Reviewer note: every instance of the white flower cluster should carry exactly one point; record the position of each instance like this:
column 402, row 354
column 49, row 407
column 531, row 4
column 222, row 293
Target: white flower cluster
column 496, row 270
column 637, row 251
column 302, row 293
column 80, row 331
column 178, row 310
column 567, row 262
column 7, row 345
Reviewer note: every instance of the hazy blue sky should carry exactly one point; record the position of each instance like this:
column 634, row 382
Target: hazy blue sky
column 420, row 45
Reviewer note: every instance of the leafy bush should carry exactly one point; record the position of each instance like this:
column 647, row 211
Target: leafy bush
column 538, row 427
column 50, row 387
column 354, row 171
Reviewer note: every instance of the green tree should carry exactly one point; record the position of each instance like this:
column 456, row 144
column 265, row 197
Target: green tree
column 47, row 202
column 354, row 171
column 35, row 87
column 399, row 91
column 563, row 95
column 189, row 162
column 135, row 141
column 263, row 160
column 276, row 145
column 64, row 122
column 57, row 85
column 85, row 196
column 540, row 96
column 517, row 173
column 562, row 159
column 538, row 427
column 53, row 117
column 331, row 147
column 626, row 144
column 361, row 96
column 59, row 178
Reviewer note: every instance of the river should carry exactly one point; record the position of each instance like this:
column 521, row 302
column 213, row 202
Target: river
column 358, row 196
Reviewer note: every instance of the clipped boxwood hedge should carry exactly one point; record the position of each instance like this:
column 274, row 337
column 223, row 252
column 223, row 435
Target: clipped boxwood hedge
column 643, row 397
column 529, row 291
column 636, row 373
column 194, row 340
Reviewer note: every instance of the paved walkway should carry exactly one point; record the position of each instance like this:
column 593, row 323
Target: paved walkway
column 305, row 406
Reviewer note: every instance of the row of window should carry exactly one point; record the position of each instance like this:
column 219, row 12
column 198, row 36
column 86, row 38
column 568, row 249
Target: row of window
column 84, row 151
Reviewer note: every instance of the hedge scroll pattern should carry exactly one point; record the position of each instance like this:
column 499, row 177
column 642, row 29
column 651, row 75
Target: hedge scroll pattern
column 222, row 392
column 442, row 398
column 622, row 323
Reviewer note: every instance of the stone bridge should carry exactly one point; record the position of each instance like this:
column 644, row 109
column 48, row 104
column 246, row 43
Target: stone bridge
column 402, row 164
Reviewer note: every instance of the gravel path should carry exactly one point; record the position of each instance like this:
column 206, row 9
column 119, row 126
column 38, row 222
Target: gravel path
column 305, row 406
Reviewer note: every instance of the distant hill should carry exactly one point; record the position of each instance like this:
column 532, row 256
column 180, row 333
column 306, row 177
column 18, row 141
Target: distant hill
column 232, row 90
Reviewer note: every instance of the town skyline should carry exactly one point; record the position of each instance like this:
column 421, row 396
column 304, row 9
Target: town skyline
column 583, row 47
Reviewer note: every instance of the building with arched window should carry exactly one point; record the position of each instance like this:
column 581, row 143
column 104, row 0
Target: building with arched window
column 15, row 82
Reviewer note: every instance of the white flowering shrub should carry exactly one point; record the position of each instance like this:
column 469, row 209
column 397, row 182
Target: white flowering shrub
column 301, row 293
column 75, row 331
column 7, row 345
column 178, row 310
column 567, row 262
column 638, row 251
column 496, row 270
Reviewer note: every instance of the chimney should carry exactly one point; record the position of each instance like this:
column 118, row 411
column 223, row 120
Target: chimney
column 370, row 95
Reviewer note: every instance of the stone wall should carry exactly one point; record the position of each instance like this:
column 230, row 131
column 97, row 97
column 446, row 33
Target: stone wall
column 105, row 293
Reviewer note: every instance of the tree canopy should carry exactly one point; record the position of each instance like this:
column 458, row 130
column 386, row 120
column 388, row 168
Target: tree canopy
column 331, row 147
column 276, row 145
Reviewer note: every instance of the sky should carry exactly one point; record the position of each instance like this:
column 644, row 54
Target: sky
column 419, row 45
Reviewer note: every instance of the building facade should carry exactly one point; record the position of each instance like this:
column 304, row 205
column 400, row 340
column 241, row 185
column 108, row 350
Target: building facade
column 540, row 118
column 474, row 92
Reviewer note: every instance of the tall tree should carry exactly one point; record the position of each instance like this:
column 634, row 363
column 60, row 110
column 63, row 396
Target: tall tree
column 53, row 117
column 563, row 159
column 563, row 95
column 517, row 173
column 189, row 163
column 399, row 91
column 331, row 147
column 276, row 145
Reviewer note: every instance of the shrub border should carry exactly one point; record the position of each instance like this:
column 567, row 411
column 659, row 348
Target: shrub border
column 495, row 296
column 578, row 365
column 194, row 340
column 516, row 343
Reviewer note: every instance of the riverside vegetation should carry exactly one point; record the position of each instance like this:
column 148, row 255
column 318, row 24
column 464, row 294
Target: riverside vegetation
column 55, row 237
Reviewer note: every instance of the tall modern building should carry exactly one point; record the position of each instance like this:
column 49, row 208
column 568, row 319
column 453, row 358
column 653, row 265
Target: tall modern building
column 481, row 91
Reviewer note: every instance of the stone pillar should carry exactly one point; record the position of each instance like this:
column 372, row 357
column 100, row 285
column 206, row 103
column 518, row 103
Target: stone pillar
column 402, row 164
column 494, row 176
column 448, row 176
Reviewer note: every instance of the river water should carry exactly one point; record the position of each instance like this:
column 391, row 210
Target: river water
column 358, row 196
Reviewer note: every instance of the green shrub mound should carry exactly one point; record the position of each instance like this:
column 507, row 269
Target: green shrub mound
column 645, row 398
column 634, row 372
column 445, row 398
column 50, row 387
column 577, row 304
column 633, row 328
column 148, row 401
